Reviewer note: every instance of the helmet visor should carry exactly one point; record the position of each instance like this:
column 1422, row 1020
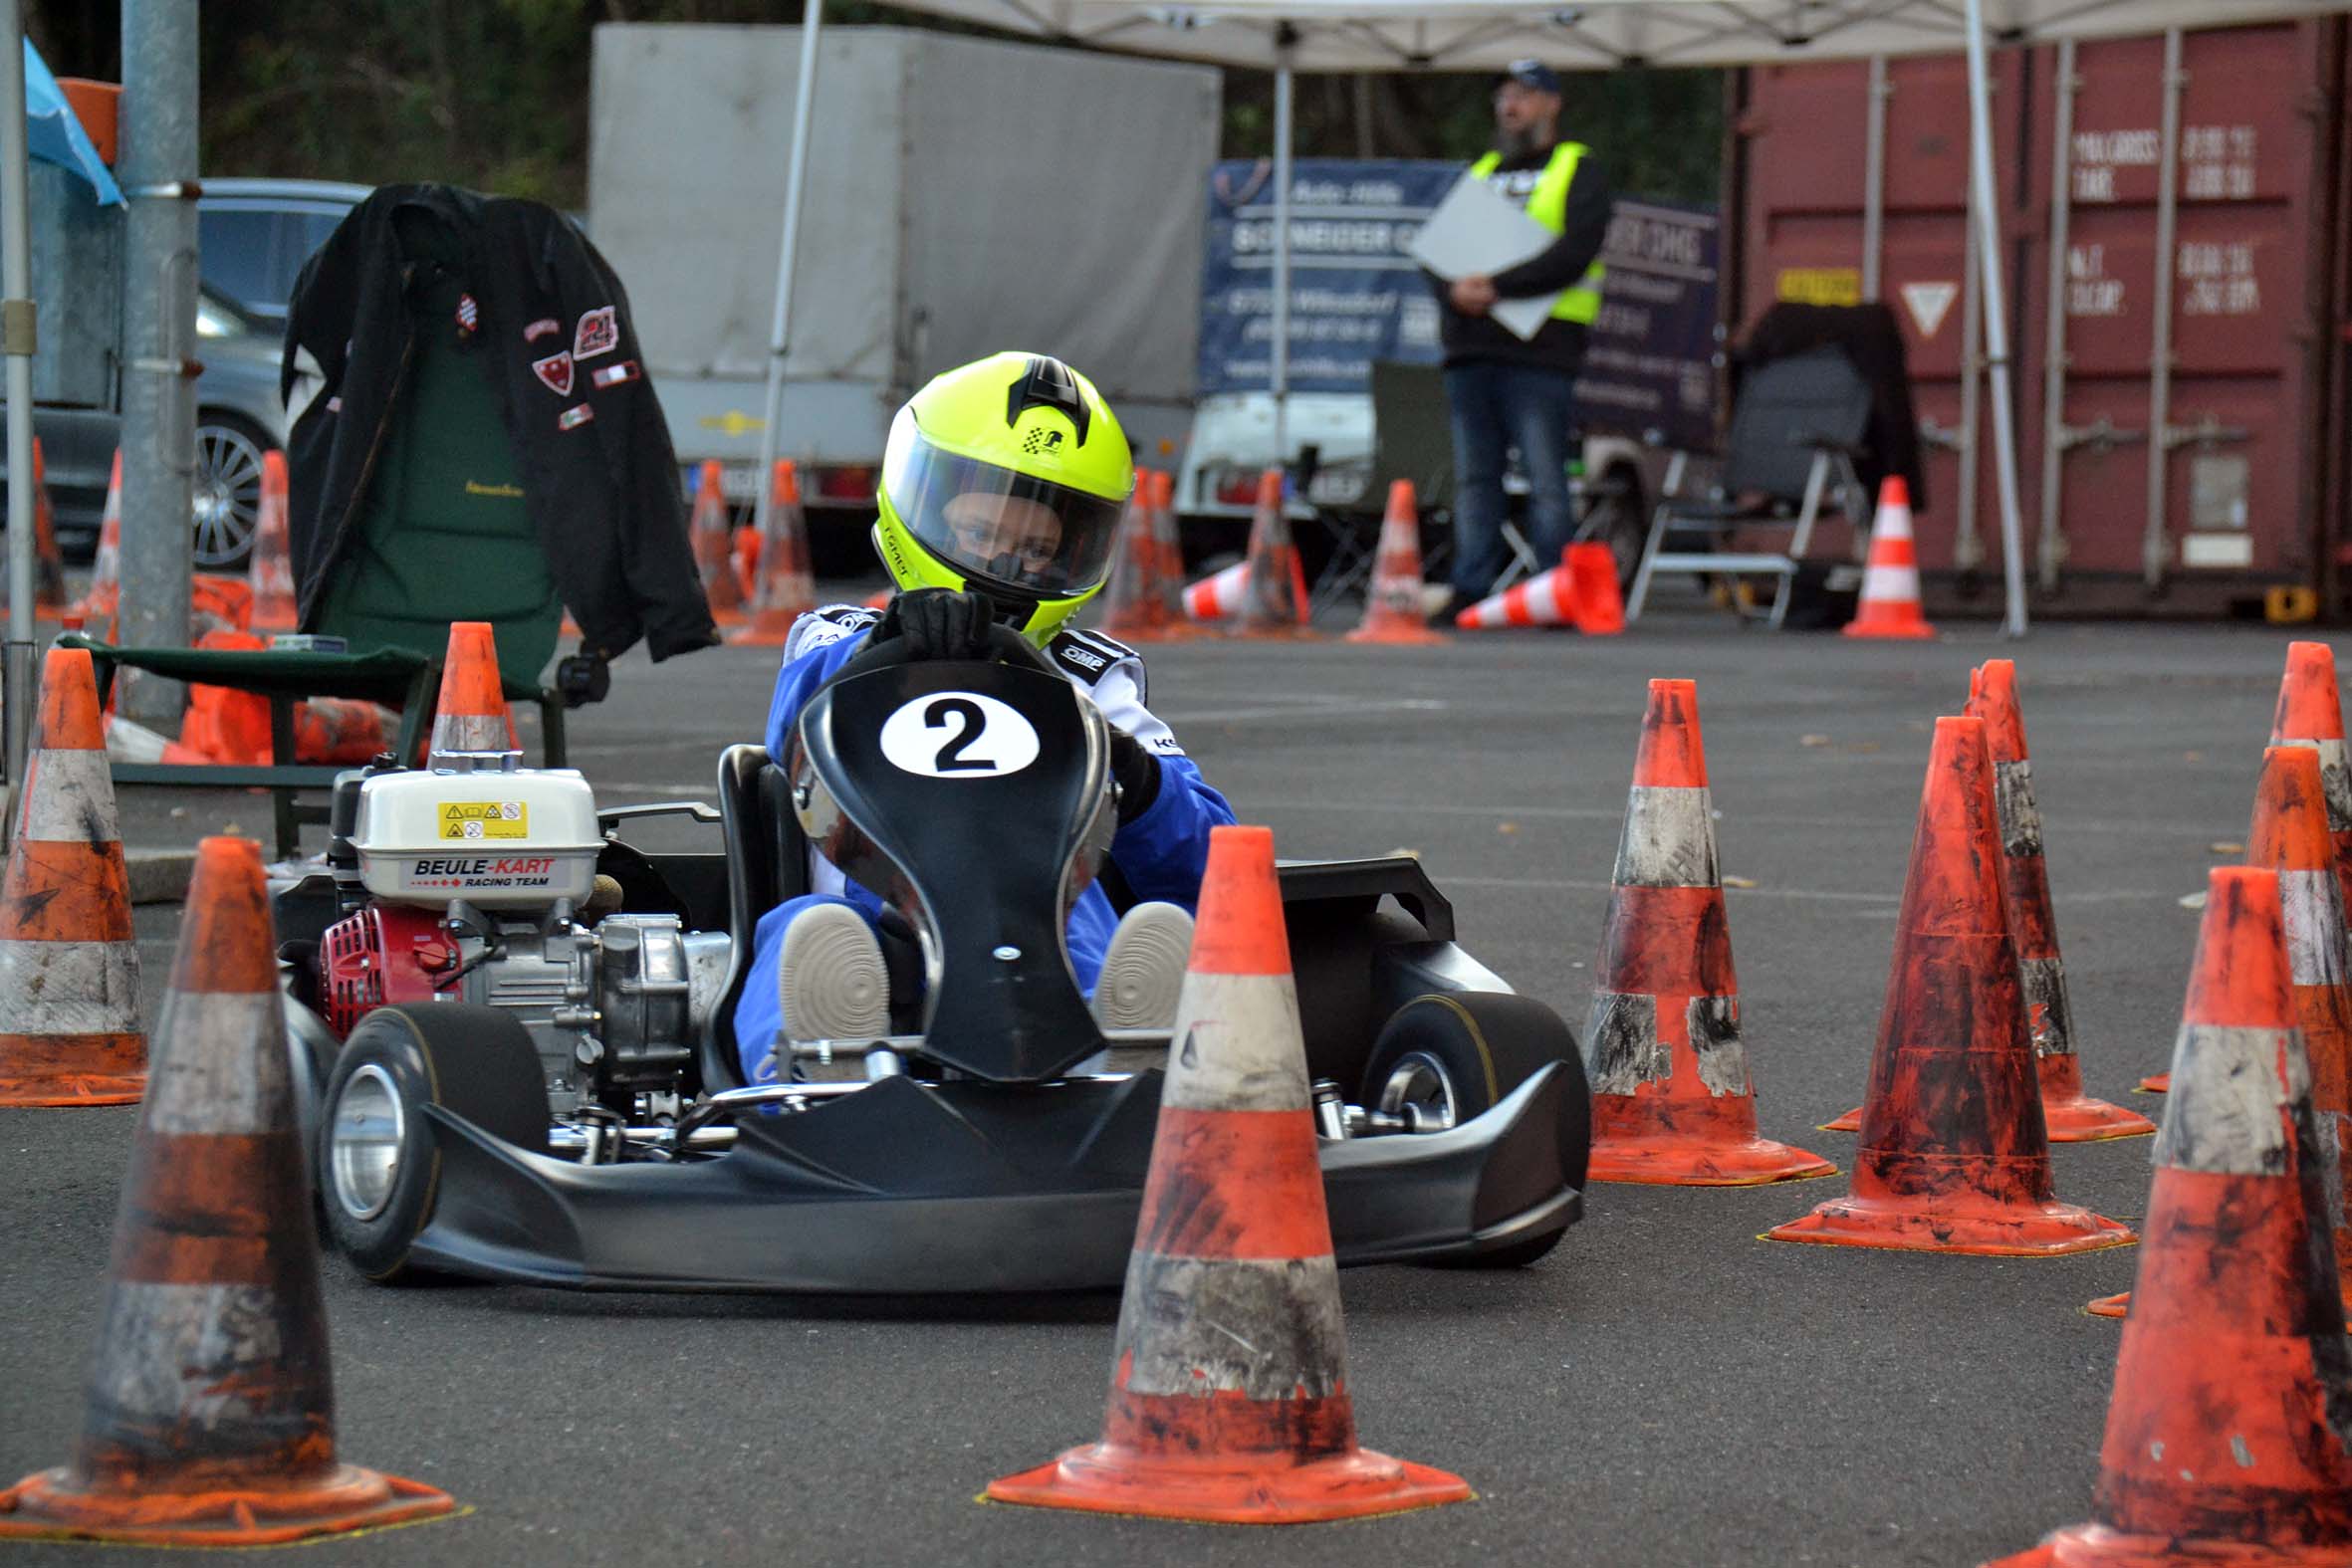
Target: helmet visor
column 1003, row 527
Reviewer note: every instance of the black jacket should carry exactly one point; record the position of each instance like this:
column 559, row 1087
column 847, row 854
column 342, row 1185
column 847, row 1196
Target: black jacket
column 1558, row 345
column 598, row 473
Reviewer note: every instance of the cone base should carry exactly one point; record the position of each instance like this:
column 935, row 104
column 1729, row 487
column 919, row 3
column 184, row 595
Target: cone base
column 2097, row 1547
column 2082, row 1119
column 1686, row 1162
column 1851, row 1121
column 1412, row 634
column 1099, row 1478
column 2116, row 1306
column 48, row 1506
column 77, row 1089
column 2156, row 1083
column 1917, row 630
column 2026, row 1230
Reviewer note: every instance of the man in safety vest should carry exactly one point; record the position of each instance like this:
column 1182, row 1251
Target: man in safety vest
column 1511, row 392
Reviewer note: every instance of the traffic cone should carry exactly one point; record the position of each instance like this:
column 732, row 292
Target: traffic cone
column 1890, row 581
column 273, row 550
column 2290, row 837
column 785, row 590
column 104, row 598
column 707, row 527
column 1672, row 1100
column 1953, row 1155
column 1168, row 541
column 49, row 562
column 1228, row 1393
column 471, row 719
column 1216, row 596
column 1546, row 599
column 210, row 1415
column 2311, row 714
column 1273, row 598
column 1592, row 589
column 69, row 964
column 1139, row 601
column 1392, row 608
column 2229, row 1431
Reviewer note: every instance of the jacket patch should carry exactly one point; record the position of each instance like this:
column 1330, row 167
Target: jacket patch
column 555, row 372
column 469, row 315
column 578, row 414
column 541, row 327
column 597, row 333
column 614, row 375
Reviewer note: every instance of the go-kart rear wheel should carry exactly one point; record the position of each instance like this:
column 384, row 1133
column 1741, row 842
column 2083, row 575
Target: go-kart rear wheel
column 378, row 1163
column 1448, row 1057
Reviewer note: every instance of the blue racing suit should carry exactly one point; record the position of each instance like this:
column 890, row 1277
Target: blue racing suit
column 1161, row 853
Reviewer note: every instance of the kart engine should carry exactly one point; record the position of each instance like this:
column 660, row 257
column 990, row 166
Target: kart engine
column 481, row 887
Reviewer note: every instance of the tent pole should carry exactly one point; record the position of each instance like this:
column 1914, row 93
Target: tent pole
column 16, row 343
column 780, row 329
column 1279, row 373
column 1996, row 326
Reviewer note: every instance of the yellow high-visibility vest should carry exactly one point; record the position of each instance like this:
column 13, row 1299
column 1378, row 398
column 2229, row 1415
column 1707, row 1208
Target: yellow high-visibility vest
column 1548, row 204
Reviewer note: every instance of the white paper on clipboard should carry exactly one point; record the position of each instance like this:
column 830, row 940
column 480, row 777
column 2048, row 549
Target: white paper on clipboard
column 1479, row 230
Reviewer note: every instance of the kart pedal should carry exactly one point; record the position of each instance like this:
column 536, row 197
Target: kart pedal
column 1143, row 971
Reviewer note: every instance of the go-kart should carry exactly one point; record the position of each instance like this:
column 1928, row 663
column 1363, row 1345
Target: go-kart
column 518, row 1027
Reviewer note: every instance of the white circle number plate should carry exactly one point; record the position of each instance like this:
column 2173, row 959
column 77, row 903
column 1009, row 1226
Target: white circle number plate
column 959, row 735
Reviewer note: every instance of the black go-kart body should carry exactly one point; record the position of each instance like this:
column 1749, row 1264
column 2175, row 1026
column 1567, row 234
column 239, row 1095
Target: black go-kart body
column 986, row 1148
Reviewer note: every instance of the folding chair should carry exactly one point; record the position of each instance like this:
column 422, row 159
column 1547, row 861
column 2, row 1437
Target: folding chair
column 1795, row 429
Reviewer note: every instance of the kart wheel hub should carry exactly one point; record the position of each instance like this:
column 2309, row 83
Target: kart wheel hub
column 363, row 1147
column 1420, row 1090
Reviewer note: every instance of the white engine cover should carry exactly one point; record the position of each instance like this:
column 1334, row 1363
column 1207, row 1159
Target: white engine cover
column 495, row 838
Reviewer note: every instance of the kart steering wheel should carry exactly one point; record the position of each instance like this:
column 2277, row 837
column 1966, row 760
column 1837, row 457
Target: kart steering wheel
column 1005, row 646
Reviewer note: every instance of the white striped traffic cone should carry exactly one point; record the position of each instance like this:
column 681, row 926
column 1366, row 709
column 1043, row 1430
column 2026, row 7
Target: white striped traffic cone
column 1215, row 597
column 1890, row 582
column 1546, row 599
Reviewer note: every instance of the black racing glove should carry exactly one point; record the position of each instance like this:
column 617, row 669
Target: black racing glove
column 1138, row 772
column 938, row 624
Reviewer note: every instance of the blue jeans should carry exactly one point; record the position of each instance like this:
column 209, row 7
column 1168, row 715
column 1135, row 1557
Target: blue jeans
column 1496, row 407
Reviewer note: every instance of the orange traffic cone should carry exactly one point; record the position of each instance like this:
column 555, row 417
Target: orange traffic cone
column 1167, row 538
column 1392, row 607
column 1953, row 1155
column 1546, row 599
column 1139, row 601
column 2311, row 714
column 785, row 590
column 69, row 964
column 1672, row 1101
column 1220, row 595
column 1274, row 600
column 471, row 718
column 1228, row 1393
column 98, row 606
column 706, row 528
column 1592, row 589
column 49, row 562
column 211, row 1412
column 2227, row 1438
column 273, row 550
column 1890, row 581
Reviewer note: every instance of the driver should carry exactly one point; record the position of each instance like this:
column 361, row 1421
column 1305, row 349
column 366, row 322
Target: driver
column 1002, row 486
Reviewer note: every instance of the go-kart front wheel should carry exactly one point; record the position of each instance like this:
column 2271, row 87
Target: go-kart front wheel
column 1448, row 1057
column 378, row 1165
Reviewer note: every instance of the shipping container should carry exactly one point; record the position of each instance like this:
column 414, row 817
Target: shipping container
column 2212, row 318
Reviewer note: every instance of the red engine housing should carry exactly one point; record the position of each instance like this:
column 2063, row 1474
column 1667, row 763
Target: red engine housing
column 384, row 955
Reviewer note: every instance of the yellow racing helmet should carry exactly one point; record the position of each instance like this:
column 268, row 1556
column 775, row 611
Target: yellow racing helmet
column 1005, row 477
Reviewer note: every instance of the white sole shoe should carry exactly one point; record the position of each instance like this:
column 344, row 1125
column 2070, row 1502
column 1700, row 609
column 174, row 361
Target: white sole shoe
column 1144, row 970
column 830, row 978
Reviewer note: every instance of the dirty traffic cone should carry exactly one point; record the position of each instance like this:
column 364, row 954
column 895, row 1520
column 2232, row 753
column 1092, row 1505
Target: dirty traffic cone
column 2310, row 713
column 69, row 965
column 273, row 550
column 1548, row 598
column 1393, row 610
column 706, row 529
column 1168, row 541
column 210, row 1418
column 1592, row 589
column 1273, row 594
column 1229, row 1395
column 471, row 718
column 1220, row 595
column 1953, row 1155
column 104, row 598
column 49, row 562
column 1139, row 601
column 2229, row 1431
column 1672, row 1101
column 1890, row 581
column 785, row 590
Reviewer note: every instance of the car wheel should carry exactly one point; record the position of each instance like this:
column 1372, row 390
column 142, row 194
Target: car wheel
column 227, row 489
column 1447, row 1058
column 378, row 1163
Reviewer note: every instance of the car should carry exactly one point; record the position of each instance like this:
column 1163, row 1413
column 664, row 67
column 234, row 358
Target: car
column 255, row 235
column 515, row 1030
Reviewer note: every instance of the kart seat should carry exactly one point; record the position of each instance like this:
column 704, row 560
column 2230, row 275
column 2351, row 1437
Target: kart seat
column 767, row 863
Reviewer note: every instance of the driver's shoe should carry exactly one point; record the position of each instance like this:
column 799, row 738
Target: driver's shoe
column 830, row 978
column 1144, row 970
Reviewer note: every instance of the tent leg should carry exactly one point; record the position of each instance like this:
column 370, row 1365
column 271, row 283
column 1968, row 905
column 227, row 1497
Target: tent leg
column 780, row 327
column 1996, row 326
column 1279, row 373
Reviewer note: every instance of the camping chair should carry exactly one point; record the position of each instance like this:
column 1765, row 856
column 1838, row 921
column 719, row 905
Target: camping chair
column 1795, row 429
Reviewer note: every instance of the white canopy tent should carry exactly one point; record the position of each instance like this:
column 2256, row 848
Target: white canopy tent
column 1290, row 36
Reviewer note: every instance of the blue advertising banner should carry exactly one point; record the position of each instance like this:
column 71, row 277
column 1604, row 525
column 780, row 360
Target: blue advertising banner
column 1649, row 372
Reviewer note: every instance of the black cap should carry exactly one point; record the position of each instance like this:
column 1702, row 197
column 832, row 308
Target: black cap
column 1533, row 75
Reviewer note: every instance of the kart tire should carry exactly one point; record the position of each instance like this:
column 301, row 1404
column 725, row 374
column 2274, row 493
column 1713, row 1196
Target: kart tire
column 476, row 1062
column 1466, row 1050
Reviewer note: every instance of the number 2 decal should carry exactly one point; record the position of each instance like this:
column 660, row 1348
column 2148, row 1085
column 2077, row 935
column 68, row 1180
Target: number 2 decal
column 958, row 735
column 971, row 724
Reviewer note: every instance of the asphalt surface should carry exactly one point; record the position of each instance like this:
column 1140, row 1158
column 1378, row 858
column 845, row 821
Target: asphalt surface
column 1663, row 1389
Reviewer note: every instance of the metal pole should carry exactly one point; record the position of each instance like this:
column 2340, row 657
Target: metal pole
column 2155, row 543
column 1968, row 545
column 1997, row 328
column 780, row 326
column 157, row 173
column 1874, row 178
column 1279, row 372
column 17, row 328
column 2051, row 548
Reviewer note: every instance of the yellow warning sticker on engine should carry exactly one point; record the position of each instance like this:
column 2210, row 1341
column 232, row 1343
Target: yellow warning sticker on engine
column 486, row 819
